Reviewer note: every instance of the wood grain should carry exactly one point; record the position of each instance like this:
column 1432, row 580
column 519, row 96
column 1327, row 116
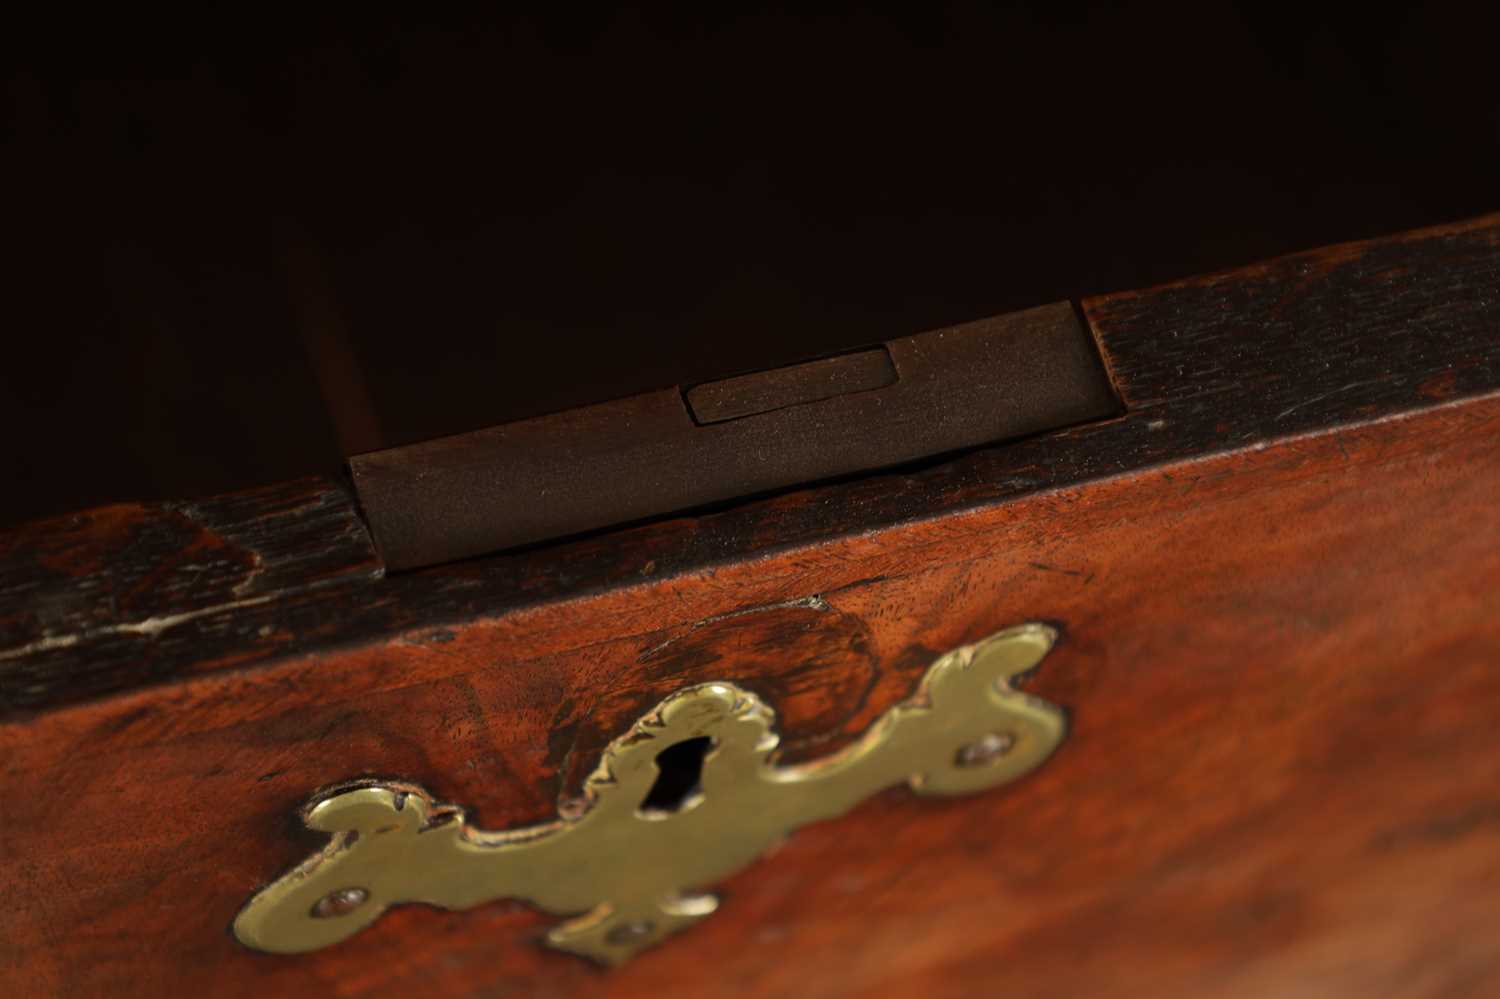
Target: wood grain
column 110, row 588
column 1226, row 361
column 1279, row 637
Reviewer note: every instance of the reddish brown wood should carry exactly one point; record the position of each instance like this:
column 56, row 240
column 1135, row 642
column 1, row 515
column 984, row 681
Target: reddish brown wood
column 1278, row 654
column 1235, row 360
column 1282, row 767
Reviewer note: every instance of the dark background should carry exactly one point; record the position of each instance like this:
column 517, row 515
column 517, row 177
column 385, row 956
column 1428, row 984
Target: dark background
column 463, row 222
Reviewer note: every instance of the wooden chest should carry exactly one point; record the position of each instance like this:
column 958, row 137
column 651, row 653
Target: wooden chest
column 1273, row 580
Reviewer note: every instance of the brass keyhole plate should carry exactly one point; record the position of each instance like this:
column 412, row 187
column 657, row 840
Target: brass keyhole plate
column 628, row 876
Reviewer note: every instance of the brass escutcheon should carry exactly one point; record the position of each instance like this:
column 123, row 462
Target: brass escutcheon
column 630, row 873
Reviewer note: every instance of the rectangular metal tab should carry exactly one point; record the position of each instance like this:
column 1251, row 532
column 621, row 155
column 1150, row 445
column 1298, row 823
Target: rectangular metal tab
column 767, row 391
column 962, row 387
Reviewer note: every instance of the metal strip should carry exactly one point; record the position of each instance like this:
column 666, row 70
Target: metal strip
column 962, row 387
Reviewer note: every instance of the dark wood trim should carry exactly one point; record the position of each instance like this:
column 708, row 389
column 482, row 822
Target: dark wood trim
column 113, row 600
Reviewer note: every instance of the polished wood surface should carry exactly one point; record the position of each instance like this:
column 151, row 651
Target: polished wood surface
column 1275, row 579
column 1224, row 362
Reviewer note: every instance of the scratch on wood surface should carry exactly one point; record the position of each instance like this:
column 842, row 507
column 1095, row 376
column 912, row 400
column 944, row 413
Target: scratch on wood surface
column 814, row 602
column 1044, row 567
column 150, row 626
column 257, row 568
column 1319, row 398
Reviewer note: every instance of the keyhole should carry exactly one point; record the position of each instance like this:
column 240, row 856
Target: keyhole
column 679, row 777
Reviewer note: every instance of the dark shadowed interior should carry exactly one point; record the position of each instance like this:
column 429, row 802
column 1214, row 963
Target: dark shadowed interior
column 240, row 246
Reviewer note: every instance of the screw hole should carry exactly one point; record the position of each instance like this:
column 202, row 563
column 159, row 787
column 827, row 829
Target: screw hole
column 340, row 903
column 679, row 777
column 987, row 750
column 630, row 933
